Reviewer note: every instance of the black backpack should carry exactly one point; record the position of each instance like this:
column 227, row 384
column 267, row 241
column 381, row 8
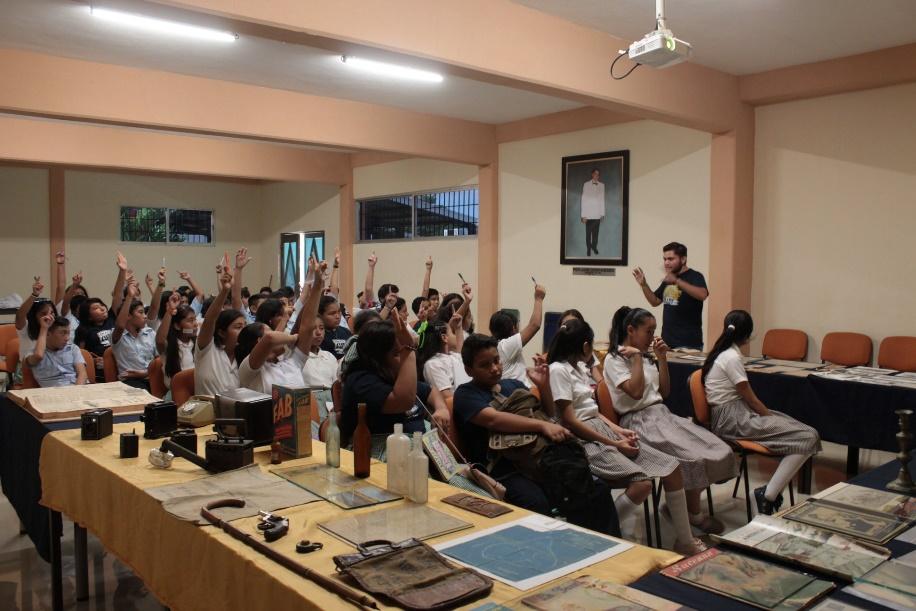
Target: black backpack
column 566, row 477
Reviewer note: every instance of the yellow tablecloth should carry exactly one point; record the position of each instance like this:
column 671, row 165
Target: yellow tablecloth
column 195, row 568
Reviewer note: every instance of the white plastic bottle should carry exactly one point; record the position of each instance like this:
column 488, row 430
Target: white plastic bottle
column 332, row 445
column 418, row 471
column 397, row 447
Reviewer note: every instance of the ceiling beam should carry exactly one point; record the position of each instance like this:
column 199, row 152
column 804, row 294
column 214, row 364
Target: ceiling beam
column 58, row 87
column 559, row 123
column 494, row 41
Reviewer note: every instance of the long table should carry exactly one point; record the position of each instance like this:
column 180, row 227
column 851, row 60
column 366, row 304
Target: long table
column 201, row 567
column 850, row 413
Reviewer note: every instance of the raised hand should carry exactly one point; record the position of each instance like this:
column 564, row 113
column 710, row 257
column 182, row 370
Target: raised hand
column 174, row 302
column 429, row 262
column 121, row 262
column 455, row 322
column 160, row 275
column 467, row 292
column 37, row 286
column 373, row 259
column 660, row 348
column 401, row 334
column 186, row 276
column 60, row 258
column 149, row 282
column 336, row 256
column 46, row 321
column 540, row 375
column 639, row 275
column 225, row 279
column 241, row 258
column 78, row 277
column 391, row 299
column 133, row 291
column 539, row 292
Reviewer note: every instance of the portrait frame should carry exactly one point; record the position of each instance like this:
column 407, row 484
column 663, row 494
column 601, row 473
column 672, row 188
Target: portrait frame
column 611, row 232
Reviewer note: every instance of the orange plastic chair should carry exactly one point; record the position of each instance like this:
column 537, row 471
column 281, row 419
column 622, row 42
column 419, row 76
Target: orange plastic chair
column 183, row 386
column 90, row 365
column 744, row 447
column 849, row 349
column 7, row 332
column 898, row 352
column 28, row 378
column 110, row 365
column 785, row 344
column 156, row 378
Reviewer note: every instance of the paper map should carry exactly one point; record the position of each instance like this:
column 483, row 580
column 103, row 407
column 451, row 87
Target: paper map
column 68, row 402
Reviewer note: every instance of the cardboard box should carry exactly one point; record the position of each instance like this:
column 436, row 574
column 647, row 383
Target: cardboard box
column 293, row 420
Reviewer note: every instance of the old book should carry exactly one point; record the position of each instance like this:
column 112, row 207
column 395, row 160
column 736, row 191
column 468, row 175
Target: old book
column 394, row 524
column 893, row 584
column 813, row 548
column 68, row 402
column 591, row 594
column 477, row 505
column 754, row 582
column 860, row 523
column 860, row 497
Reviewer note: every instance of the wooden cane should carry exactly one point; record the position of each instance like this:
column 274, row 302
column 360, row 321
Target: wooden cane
column 325, row 582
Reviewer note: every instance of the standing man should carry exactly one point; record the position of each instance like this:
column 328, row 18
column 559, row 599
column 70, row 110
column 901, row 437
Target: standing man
column 683, row 291
column 592, row 210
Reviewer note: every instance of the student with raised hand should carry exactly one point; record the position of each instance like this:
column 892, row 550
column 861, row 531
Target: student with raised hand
column 153, row 318
column 367, row 301
column 133, row 343
column 614, row 453
column 241, row 260
column 512, row 340
column 196, row 301
column 321, row 367
column 737, row 413
column 638, row 389
column 335, row 334
column 262, row 355
column 439, row 366
column 175, row 337
column 55, row 361
column 28, row 315
column 333, row 285
column 215, row 370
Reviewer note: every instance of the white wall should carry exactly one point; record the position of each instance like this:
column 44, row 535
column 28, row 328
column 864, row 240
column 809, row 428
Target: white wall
column 669, row 200
column 834, row 215
column 402, row 263
column 24, row 247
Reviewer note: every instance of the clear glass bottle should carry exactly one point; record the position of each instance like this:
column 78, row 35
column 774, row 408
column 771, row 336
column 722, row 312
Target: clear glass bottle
column 397, row 447
column 332, row 443
column 418, row 471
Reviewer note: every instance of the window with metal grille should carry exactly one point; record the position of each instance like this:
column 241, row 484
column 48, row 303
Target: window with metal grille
column 453, row 212
column 166, row 225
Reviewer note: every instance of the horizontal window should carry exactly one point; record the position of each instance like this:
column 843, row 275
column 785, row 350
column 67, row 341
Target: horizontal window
column 454, row 212
column 166, row 225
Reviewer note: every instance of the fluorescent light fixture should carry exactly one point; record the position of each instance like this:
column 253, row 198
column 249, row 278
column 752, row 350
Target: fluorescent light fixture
column 161, row 26
column 391, row 70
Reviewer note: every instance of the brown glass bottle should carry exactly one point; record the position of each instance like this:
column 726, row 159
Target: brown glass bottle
column 362, row 444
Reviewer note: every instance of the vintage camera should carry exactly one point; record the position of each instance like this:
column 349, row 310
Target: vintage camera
column 159, row 419
column 186, row 438
column 256, row 409
column 96, row 424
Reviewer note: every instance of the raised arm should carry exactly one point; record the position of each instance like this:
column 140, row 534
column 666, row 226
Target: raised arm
column 241, row 260
column 465, row 308
column 636, row 385
column 334, row 286
column 537, row 314
column 71, row 291
column 402, row 395
column 265, row 346
column 426, row 277
column 198, row 292
column 205, row 335
column 133, row 291
column 646, row 291
column 660, row 348
column 157, row 295
column 61, row 283
column 44, row 323
column 454, row 326
column 117, row 295
column 368, row 291
column 305, row 326
column 22, row 314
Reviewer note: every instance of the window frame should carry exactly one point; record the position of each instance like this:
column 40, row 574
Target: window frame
column 168, row 242
column 413, row 216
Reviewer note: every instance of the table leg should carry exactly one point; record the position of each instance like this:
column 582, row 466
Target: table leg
column 805, row 476
column 82, row 562
column 852, row 461
column 57, row 585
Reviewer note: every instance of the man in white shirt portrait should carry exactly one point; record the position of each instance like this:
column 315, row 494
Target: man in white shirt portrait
column 592, row 210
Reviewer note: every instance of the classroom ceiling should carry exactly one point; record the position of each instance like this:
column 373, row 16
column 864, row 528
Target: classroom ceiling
column 65, row 28
column 748, row 36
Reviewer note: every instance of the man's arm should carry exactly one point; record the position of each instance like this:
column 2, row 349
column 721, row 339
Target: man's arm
column 650, row 296
column 697, row 292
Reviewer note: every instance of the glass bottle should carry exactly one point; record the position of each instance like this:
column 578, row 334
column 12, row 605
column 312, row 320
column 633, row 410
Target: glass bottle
column 397, row 447
column 332, row 443
column 418, row 471
column 362, row 444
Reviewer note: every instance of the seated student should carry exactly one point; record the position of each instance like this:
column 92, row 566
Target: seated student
column 614, row 453
column 638, row 390
column 215, row 370
column 321, row 367
column 385, row 378
column 132, row 341
column 440, row 367
column 512, row 342
column 153, row 318
column 97, row 321
column 254, row 301
column 460, row 303
column 476, row 418
column 28, row 315
column 335, row 334
column 175, row 338
column 273, row 313
column 262, row 355
column 351, row 353
column 737, row 413
column 54, row 360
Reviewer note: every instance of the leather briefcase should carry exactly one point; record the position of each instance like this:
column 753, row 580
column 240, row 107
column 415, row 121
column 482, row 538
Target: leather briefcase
column 412, row 574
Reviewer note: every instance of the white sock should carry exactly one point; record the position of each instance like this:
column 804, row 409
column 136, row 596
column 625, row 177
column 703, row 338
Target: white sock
column 788, row 467
column 626, row 515
column 677, row 507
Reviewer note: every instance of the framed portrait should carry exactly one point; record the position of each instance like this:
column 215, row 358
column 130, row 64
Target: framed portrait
column 595, row 206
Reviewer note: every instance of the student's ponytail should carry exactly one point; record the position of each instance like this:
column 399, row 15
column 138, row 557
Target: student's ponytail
column 738, row 327
column 568, row 341
column 623, row 318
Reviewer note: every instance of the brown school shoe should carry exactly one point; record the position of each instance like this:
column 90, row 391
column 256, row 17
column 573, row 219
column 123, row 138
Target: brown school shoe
column 691, row 548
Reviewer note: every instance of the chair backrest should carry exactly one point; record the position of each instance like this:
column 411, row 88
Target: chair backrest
column 785, row 344
column 849, row 349
column 110, row 365
column 28, row 378
column 698, row 395
column 7, row 332
column 90, row 365
column 182, row 386
column 605, row 403
column 896, row 352
column 156, row 378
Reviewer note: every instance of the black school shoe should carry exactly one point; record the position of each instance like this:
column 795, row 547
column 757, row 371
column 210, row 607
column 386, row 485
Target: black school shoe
column 764, row 505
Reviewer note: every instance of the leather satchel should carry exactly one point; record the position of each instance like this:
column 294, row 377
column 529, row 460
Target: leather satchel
column 412, row 574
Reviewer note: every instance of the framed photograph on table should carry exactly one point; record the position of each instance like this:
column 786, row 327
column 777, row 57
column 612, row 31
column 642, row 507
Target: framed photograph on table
column 595, row 206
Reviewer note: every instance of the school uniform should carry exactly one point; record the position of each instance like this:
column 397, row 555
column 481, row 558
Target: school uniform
column 512, row 357
column 320, row 369
column 214, row 371
column 287, row 371
column 58, row 367
column 731, row 418
column 704, row 458
column 568, row 383
column 445, row 372
column 135, row 353
column 185, row 360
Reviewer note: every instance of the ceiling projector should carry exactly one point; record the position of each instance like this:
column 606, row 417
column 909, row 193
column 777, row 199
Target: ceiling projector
column 659, row 48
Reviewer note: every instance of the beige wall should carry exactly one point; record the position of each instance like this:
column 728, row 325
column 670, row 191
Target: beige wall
column 669, row 200
column 834, row 215
column 401, row 263
column 24, row 246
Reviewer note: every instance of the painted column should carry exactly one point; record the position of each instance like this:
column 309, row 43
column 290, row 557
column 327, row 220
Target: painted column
column 488, row 245
column 347, row 239
column 56, row 222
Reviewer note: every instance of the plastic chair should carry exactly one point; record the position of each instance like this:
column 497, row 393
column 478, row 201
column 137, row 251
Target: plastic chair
column 606, row 409
column 898, row 352
column 156, row 378
column 7, row 332
column 744, row 447
column 110, row 365
column 90, row 365
column 183, row 386
column 785, row 344
column 28, row 378
column 849, row 349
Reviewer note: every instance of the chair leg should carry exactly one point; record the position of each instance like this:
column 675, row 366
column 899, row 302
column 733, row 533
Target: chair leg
column 709, row 500
column 656, row 501
column 645, row 509
column 737, row 483
column 791, row 494
column 747, row 486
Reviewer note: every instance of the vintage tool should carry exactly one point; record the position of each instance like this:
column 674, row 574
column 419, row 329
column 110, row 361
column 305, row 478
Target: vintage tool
column 159, row 419
column 274, row 527
column 904, row 481
column 307, row 547
column 96, row 424
column 130, row 444
column 222, row 454
column 256, row 409
column 327, row 583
